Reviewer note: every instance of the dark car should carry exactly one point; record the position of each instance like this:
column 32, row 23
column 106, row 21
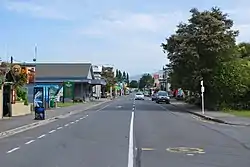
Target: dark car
column 162, row 96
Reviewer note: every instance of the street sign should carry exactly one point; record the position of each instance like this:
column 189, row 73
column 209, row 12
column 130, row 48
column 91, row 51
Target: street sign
column 68, row 89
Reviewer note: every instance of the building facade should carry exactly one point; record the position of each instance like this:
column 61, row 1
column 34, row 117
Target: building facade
column 97, row 89
column 53, row 75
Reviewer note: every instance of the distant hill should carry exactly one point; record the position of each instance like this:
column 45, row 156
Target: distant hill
column 137, row 77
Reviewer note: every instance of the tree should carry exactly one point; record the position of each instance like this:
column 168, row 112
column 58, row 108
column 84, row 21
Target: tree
column 124, row 76
column 133, row 84
column 199, row 49
column 127, row 78
column 146, row 81
column 244, row 50
column 119, row 76
column 108, row 75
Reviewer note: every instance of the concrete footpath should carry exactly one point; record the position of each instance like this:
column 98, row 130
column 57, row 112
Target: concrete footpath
column 215, row 116
column 7, row 125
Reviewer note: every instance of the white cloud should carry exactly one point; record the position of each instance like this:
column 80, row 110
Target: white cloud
column 124, row 22
column 39, row 8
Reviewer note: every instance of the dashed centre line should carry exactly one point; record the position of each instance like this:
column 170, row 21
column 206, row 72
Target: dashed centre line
column 41, row 136
column 52, row 131
column 12, row 150
column 29, row 142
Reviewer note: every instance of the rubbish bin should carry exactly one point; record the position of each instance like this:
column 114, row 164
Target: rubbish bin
column 52, row 103
column 39, row 113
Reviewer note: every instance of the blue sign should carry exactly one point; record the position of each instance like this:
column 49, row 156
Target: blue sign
column 38, row 97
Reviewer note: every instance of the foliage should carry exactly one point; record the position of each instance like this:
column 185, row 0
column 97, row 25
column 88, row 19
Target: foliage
column 133, row 84
column 244, row 50
column 122, row 76
column 127, row 78
column 205, row 49
column 146, row 81
column 26, row 102
column 20, row 80
column 21, row 94
column 108, row 75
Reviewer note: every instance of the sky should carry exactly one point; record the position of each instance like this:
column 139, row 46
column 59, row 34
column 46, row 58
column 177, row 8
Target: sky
column 125, row 34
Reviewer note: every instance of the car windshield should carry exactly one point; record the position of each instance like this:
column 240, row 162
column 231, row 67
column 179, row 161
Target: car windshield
column 162, row 93
column 139, row 93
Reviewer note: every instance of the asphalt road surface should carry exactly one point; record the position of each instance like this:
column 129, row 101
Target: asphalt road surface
column 127, row 133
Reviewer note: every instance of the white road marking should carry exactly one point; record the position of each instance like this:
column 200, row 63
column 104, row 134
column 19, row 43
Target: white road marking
column 81, row 118
column 77, row 120
column 190, row 154
column 72, row 122
column 29, row 142
column 102, row 108
column 66, row 125
column 133, row 109
column 131, row 142
column 41, row 136
column 59, row 128
column 52, row 131
column 12, row 150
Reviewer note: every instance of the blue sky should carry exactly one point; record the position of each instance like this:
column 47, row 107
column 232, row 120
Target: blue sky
column 126, row 34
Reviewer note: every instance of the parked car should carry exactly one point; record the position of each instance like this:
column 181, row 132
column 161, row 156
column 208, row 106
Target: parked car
column 146, row 94
column 162, row 96
column 139, row 96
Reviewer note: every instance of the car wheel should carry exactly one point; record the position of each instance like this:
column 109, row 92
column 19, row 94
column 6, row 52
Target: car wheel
column 157, row 102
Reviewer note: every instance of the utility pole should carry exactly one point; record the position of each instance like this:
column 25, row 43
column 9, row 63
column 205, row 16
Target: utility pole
column 11, row 60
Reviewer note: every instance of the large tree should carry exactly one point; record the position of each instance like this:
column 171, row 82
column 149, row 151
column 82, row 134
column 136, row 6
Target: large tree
column 108, row 75
column 198, row 51
column 146, row 81
column 133, row 84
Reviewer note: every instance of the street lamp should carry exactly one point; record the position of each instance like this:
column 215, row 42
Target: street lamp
column 34, row 75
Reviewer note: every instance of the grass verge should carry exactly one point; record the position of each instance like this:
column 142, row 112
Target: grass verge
column 239, row 113
column 66, row 104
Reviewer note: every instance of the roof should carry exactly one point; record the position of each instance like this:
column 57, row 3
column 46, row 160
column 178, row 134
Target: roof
column 63, row 71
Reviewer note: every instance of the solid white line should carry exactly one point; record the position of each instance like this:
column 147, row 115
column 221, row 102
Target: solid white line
column 41, row 136
column 52, row 131
column 66, row 125
column 31, row 141
column 12, row 150
column 59, row 128
column 131, row 142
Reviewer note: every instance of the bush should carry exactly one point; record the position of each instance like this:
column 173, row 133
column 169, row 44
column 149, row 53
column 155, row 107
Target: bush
column 21, row 94
column 26, row 102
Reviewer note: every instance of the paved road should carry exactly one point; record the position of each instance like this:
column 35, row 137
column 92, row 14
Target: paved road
column 103, row 137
